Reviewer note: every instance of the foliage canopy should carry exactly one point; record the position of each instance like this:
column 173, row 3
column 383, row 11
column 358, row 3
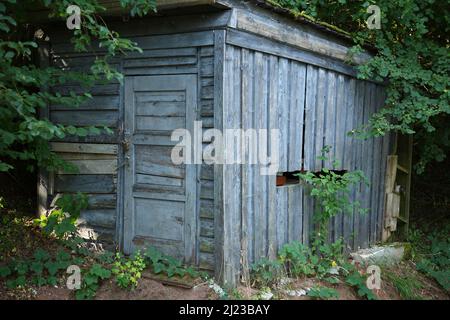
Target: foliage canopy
column 412, row 54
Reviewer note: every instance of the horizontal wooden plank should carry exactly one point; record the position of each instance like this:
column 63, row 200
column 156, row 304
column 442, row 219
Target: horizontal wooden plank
column 258, row 43
column 85, row 183
column 154, row 140
column 206, row 261
column 84, row 148
column 93, row 166
column 152, row 179
column 207, row 189
column 206, row 209
column 190, row 69
column 102, row 201
column 160, row 96
column 167, row 170
column 160, row 123
column 158, row 194
column 207, row 67
column 208, row 122
column 161, row 109
column 207, row 92
column 109, row 138
column 207, row 228
column 85, row 118
column 106, row 102
column 163, row 53
column 207, row 51
column 206, row 245
column 97, row 90
column 86, row 156
column 192, row 39
column 160, row 62
column 207, row 172
column 102, row 217
column 286, row 32
column 207, row 108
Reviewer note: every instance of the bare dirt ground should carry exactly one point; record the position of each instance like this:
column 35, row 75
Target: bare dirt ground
column 147, row 289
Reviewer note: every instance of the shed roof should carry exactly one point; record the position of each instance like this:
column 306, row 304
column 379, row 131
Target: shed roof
column 265, row 18
column 114, row 7
column 302, row 18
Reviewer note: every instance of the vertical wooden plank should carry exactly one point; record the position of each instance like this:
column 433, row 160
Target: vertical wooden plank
column 282, row 223
column 367, row 164
column 121, row 161
column 291, row 210
column 384, row 155
column 349, row 151
column 273, row 124
column 372, row 166
column 128, row 218
column 295, row 204
column 358, row 159
column 198, row 186
column 44, row 181
column 219, row 237
column 310, row 117
column 322, row 84
column 247, row 178
column 296, row 124
column 330, row 118
column 192, row 201
column 231, row 176
column 235, row 172
column 342, row 107
column 299, row 217
column 330, row 134
column 377, row 173
column 340, row 135
column 283, row 111
column 261, row 96
column 309, row 153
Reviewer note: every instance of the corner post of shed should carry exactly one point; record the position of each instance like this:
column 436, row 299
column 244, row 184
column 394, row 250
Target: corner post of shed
column 44, row 182
column 227, row 261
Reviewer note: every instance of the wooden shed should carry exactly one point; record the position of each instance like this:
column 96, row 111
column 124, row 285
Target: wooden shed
column 230, row 64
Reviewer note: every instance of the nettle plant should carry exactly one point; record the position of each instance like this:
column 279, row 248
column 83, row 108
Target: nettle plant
column 332, row 191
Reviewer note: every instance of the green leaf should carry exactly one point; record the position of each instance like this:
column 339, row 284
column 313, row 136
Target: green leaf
column 5, row 271
column 41, row 255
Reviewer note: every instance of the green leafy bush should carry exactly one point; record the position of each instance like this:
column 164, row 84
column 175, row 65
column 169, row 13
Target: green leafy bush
column 266, row 273
column 333, row 191
column 128, row 271
column 355, row 279
column 432, row 254
column 323, row 293
column 164, row 264
column 43, row 269
column 299, row 259
column 91, row 281
column 62, row 219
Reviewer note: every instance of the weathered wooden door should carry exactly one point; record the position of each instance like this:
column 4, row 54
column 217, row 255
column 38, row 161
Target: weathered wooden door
column 159, row 196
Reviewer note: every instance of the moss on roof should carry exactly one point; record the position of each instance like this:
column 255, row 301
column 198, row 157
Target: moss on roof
column 301, row 16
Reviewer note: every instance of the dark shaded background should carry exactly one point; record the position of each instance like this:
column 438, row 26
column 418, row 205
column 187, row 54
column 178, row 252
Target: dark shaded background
column 430, row 192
